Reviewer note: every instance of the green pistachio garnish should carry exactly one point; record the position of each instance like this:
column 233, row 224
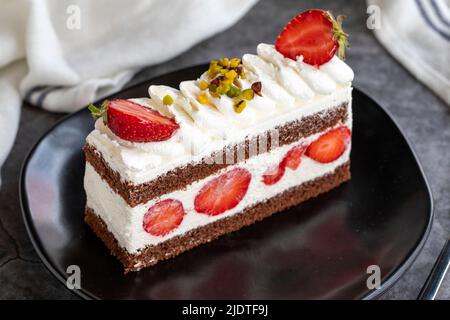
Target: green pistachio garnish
column 240, row 106
column 212, row 88
column 223, row 79
column 167, row 100
column 203, row 85
column 248, row 94
column 224, row 62
column 223, row 88
column 235, row 62
column 202, row 98
column 231, row 75
column 233, row 92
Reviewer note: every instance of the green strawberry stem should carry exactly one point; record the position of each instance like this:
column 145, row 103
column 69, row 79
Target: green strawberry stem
column 99, row 112
column 338, row 33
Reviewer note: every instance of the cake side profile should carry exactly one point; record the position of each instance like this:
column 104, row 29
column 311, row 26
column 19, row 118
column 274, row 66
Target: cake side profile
column 249, row 138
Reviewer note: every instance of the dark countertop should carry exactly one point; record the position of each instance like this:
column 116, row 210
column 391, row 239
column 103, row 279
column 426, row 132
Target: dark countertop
column 423, row 117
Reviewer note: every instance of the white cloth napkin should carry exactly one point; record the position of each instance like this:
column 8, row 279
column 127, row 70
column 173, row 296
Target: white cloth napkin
column 61, row 55
column 417, row 34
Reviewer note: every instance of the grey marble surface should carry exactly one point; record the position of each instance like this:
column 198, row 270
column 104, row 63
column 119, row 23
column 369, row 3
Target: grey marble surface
column 424, row 118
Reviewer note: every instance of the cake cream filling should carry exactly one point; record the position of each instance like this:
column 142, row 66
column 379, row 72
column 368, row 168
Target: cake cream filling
column 125, row 222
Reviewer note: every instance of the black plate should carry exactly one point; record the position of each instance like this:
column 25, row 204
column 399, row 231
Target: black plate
column 320, row 249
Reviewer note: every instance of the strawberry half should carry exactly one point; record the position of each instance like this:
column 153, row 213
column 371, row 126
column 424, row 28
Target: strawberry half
column 330, row 146
column 314, row 34
column 163, row 217
column 273, row 174
column 223, row 193
column 134, row 122
column 293, row 158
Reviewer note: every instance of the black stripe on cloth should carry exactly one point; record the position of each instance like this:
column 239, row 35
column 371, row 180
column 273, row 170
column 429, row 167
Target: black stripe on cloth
column 43, row 95
column 40, row 93
column 32, row 91
column 439, row 13
column 429, row 22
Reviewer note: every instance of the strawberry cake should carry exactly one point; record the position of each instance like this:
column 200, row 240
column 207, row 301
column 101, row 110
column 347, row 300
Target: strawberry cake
column 250, row 137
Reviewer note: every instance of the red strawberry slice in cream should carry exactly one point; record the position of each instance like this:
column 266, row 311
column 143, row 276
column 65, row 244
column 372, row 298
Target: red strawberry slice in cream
column 291, row 160
column 330, row 146
column 293, row 157
column 223, row 193
column 163, row 217
column 273, row 174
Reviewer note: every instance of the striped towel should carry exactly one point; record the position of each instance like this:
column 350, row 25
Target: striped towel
column 417, row 34
column 61, row 55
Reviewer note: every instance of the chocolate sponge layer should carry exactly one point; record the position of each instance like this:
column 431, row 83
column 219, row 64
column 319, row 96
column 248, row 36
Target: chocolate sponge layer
column 176, row 245
column 181, row 177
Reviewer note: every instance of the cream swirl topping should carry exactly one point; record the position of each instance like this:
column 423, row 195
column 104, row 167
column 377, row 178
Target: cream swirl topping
column 287, row 85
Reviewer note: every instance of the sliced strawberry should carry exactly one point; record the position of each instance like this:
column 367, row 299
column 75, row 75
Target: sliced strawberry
column 223, row 193
column 273, row 174
column 163, row 217
column 313, row 34
column 133, row 122
column 293, row 158
column 330, row 146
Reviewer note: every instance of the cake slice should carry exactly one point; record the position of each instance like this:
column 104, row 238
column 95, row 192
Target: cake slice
column 250, row 137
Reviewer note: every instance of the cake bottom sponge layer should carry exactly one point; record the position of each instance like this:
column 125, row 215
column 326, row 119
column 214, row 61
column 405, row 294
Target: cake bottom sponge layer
column 151, row 254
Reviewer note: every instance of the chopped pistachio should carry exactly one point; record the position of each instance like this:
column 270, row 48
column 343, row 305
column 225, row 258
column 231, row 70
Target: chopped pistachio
column 212, row 87
column 203, row 85
column 213, row 70
column 226, row 81
column 231, row 75
column 235, row 62
column 233, row 92
column 224, row 78
column 224, row 62
column 223, row 88
column 202, row 98
column 248, row 94
column 167, row 100
column 240, row 106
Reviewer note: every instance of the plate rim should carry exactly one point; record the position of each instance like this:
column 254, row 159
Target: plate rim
column 389, row 281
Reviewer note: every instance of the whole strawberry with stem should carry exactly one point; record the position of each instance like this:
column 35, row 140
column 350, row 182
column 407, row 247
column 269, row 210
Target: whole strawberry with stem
column 314, row 34
column 134, row 122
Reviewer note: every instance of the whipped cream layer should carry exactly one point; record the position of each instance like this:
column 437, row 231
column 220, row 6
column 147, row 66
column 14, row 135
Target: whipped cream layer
column 126, row 223
column 291, row 90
